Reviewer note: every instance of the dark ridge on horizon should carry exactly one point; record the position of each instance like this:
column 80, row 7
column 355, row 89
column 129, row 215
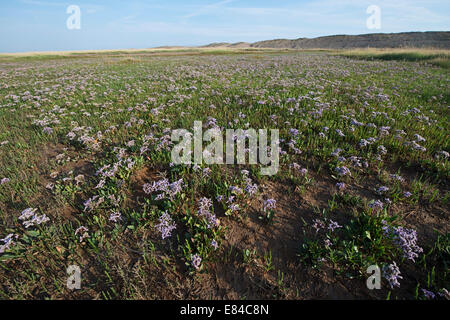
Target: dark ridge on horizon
column 427, row 39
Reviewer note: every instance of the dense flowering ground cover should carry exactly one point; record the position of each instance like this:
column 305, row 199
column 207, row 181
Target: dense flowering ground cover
column 86, row 178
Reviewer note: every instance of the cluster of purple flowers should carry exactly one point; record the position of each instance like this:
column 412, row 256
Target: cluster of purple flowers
column 8, row 242
column 384, row 131
column 47, row 130
column 442, row 154
column 166, row 225
column 343, row 171
column 397, row 177
column 204, row 207
column 269, row 204
column 167, row 189
column 336, row 152
column 235, row 190
column 444, row 293
column 251, row 188
column 419, row 138
column 376, row 205
column 206, row 172
column 93, row 203
column 83, row 232
column 297, row 167
column 341, row 186
column 318, row 225
column 321, row 224
column 428, row 294
column 333, row 225
column 293, row 132
column 104, row 172
column 30, row 218
column 115, row 216
column 382, row 190
column 392, row 274
column 90, row 142
column 196, row 261
column 382, row 150
column 405, row 239
column 214, row 244
column 414, row 145
column 164, row 143
column 292, row 146
column 356, row 162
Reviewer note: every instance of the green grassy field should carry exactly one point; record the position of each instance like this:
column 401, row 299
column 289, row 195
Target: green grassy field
column 87, row 177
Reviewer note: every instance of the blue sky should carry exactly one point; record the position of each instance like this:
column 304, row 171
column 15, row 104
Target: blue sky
column 35, row 25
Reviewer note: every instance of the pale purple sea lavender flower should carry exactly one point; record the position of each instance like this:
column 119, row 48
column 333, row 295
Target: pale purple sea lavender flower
column 340, row 133
column 333, row 225
column 47, row 130
column 428, row 294
column 341, row 186
column 27, row 214
column 166, row 225
column 382, row 150
column 206, row 172
column 382, row 189
column 204, row 206
column 175, row 188
column 115, row 216
column 233, row 207
column 8, row 242
column 269, row 204
column 235, row 190
column 405, row 239
column 343, row 171
column 196, row 261
column 83, row 232
column 419, row 138
column 100, row 184
column 318, row 225
column 392, row 274
column 396, row 177
column 92, row 203
column 36, row 220
column 251, row 189
column 443, row 154
column 376, row 205
column 443, row 293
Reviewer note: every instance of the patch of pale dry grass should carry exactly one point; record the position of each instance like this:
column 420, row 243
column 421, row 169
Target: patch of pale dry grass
column 439, row 57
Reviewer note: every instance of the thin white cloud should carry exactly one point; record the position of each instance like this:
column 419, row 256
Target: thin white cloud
column 88, row 8
column 210, row 8
column 43, row 3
